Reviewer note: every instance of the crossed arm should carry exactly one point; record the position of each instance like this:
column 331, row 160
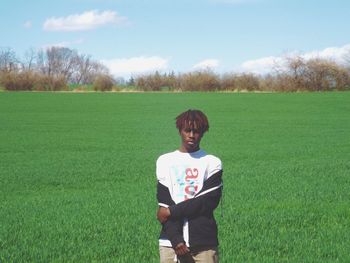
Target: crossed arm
column 171, row 215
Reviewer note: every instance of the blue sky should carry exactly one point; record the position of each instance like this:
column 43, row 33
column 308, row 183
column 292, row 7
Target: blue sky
column 137, row 36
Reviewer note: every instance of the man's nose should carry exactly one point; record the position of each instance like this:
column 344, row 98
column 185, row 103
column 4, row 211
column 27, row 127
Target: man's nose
column 191, row 133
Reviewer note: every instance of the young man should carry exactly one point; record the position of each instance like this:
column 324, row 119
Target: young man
column 188, row 190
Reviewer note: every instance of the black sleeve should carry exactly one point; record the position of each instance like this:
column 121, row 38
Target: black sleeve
column 172, row 227
column 173, row 230
column 163, row 195
column 201, row 205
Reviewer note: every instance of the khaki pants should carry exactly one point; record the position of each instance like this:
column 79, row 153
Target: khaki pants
column 167, row 255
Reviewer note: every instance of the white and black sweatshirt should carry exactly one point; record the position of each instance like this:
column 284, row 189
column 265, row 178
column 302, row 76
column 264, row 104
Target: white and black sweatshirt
column 190, row 185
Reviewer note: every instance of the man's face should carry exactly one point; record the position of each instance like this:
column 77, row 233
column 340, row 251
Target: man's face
column 191, row 137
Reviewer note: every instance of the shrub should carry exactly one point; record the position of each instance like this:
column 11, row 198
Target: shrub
column 157, row 82
column 29, row 80
column 50, row 83
column 14, row 81
column 228, row 81
column 325, row 75
column 247, row 82
column 199, row 81
column 103, row 83
column 315, row 74
column 151, row 82
column 240, row 82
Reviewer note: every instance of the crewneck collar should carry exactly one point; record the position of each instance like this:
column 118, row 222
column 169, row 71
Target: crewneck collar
column 190, row 153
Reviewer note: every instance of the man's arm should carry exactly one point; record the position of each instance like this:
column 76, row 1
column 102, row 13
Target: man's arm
column 203, row 203
column 172, row 227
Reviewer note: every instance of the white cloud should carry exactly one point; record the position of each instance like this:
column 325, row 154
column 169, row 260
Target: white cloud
column 85, row 21
column 334, row 53
column 28, row 24
column 126, row 67
column 207, row 64
column 268, row 64
column 261, row 65
column 64, row 43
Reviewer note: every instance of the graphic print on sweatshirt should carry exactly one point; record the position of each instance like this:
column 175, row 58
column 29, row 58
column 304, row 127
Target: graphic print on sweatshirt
column 186, row 181
column 184, row 174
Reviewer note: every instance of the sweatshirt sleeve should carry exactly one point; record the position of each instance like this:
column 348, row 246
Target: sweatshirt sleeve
column 203, row 203
column 172, row 227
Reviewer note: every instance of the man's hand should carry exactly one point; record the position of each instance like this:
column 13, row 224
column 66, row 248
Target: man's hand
column 181, row 249
column 163, row 214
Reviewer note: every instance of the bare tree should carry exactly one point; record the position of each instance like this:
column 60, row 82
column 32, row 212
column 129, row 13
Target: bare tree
column 29, row 61
column 8, row 60
column 87, row 69
column 95, row 69
column 324, row 74
column 84, row 67
column 62, row 61
column 297, row 69
column 41, row 62
column 67, row 63
column 57, row 62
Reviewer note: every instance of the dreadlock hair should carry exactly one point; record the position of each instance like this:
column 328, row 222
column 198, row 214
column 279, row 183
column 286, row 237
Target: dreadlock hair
column 192, row 119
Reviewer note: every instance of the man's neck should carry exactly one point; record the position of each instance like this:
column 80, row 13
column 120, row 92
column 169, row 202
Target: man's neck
column 185, row 150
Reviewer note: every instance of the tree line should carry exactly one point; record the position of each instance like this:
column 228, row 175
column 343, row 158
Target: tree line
column 55, row 68
column 48, row 69
column 296, row 74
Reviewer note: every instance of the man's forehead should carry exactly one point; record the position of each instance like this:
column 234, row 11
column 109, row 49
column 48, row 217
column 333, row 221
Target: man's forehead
column 191, row 124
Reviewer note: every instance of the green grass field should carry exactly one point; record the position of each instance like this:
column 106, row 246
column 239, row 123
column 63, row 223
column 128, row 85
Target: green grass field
column 77, row 174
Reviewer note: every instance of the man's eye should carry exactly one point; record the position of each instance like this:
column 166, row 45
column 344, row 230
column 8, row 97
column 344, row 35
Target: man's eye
column 191, row 130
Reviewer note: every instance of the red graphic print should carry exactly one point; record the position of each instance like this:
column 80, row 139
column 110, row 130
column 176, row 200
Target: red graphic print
column 191, row 182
